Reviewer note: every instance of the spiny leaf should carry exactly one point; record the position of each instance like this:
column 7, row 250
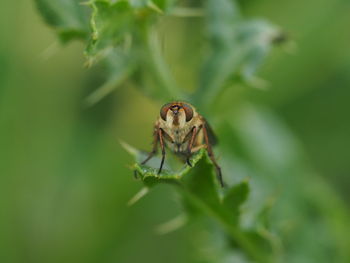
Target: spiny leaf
column 118, row 23
column 172, row 225
column 258, row 37
column 273, row 158
column 110, row 25
column 150, row 175
column 201, row 197
column 155, row 5
column 199, row 189
column 144, row 191
column 236, row 49
column 122, row 37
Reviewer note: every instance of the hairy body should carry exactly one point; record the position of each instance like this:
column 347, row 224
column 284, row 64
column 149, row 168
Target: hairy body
column 184, row 131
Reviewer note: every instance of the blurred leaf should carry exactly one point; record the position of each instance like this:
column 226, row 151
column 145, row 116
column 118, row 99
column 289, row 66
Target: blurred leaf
column 172, row 225
column 254, row 141
column 162, row 4
column 200, row 189
column 68, row 17
column 111, row 23
column 258, row 37
column 274, row 161
column 235, row 197
column 156, row 5
column 236, row 49
column 140, row 194
column 120, row 66
column 122, row 35
column 155, row 78
column 121, row 23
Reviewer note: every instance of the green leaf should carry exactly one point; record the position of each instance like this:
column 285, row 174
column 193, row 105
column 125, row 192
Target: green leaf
column 150, row 175
column 111, row 25
column 68, row 17
column 235, row 197
column 120, row 66
column 156, row 5
column 202, row 183
column 199, row 189
column 121, row 34
column 163, row 5
column 236, row 49
column 258, row 37
column 305, row 205
column 120, row 23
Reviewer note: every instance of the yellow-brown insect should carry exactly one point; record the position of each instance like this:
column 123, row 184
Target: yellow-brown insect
column 184, row 131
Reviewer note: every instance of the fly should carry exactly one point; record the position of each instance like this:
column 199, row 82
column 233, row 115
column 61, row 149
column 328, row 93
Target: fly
column 184, row 131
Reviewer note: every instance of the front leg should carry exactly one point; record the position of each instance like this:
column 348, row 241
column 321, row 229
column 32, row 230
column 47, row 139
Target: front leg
column 212, row 158
column 161, row 141
column 155, row 145
column 191, row 136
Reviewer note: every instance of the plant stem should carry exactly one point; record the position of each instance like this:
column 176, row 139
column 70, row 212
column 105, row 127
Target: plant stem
column 233, row 231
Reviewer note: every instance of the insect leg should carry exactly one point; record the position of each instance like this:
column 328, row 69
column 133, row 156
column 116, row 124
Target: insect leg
column 212, row 158
column 197, row 148
column 155, row 144
column 190, row 145
column 160, row 136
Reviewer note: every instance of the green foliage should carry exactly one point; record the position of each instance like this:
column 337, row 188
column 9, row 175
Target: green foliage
column 122, row 34
column 273, row 218
column 235, row 197
column 68, row 17
column 199, row 188
column 236, row 49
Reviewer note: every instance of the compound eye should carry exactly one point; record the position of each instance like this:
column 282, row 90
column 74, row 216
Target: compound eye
column 188, row 112
column 164, row 111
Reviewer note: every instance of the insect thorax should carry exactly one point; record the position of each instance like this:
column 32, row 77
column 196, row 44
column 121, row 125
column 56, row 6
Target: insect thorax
column 179, row 134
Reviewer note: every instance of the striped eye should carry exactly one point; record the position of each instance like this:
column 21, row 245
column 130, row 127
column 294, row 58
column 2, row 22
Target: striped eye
column 164, row 111
column 188, row 111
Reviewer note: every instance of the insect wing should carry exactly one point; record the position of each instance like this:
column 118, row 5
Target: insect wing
column 211, row 135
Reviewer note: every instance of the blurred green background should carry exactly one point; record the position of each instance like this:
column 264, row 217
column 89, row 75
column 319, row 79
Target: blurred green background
column 65, row 180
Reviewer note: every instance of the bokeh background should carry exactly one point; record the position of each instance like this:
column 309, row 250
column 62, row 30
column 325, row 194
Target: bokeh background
column 64, row 178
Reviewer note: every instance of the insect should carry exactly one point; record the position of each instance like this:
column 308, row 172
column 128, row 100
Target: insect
column 184, row 131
